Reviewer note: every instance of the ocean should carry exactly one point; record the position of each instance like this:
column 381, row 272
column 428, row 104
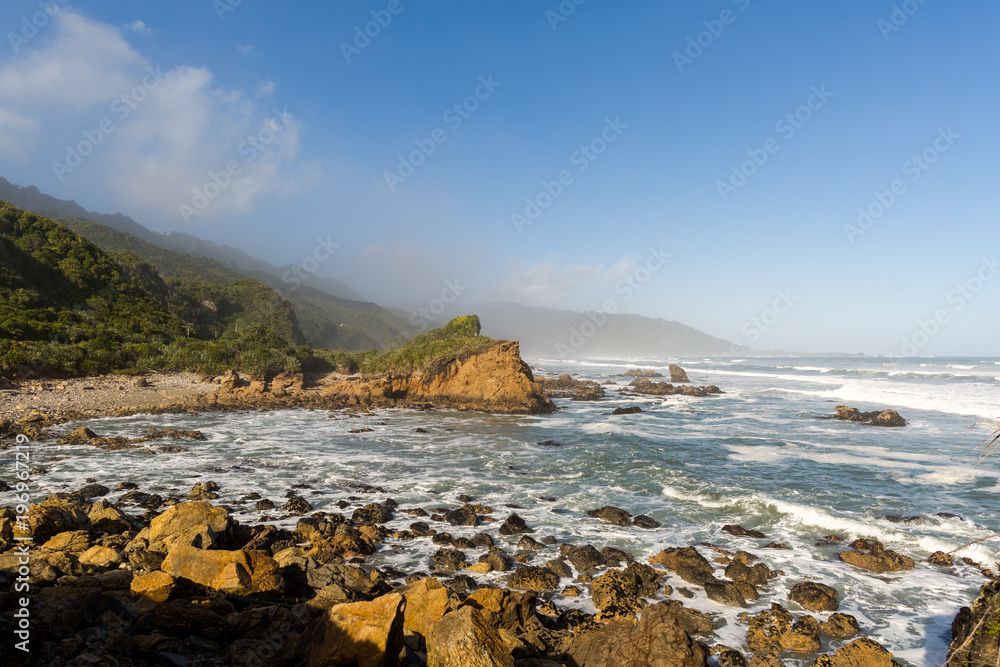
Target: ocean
column 763, row 455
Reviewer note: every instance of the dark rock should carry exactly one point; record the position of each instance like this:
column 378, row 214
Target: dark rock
column 498, row 560
column 815, row 596
column 888, row 418
column 560, row 568
column 657, row 639
column 372, row 514
column 264, row 505
column 549, row 443
column 878, row 559
column 673, row 558
column 533, row 578
column 514, row 525
column 463, row 516
column 757, row 575
column 583, row 558
column 614, row 515
column 448, row 560
column 740, row 531
column 940, row 558
column 643, row 521
column 634, row 410
column 840, row 626
column 616, row 594
column 528, row 542
column 725, row 592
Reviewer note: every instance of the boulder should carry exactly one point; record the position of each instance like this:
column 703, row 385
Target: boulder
column 463, row 516
column 878, row 559
column 840, row 626
column 815, row 596
column 234, row 572
column 725, row 592
column 52, row 517
column 758, row 574
column 633, row 410
column 583, row 558
column 657, row 640
column 426, row 603
column 157, row 586
column 355, row 634
column 99, row 556
column 673, row 558
column 195, row 524
column 740, row 531
column 678, row 374
column 533, row 578
column 643, row 521
column 464, row 638
column 371, row 515
column 940, row 558
column 72, row 541
column 616, row 594
column 614, row 515
column 862, row 652
column 80, row 436
column 448, row 560
column 514, row 525
column 105, row 518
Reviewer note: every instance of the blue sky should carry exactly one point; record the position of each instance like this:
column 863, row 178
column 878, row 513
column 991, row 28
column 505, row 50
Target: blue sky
column 888, row 92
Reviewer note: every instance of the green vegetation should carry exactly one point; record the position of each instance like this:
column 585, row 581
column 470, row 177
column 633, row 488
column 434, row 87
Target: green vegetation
column 460, row 336
column 67, row 307
column 325, row 320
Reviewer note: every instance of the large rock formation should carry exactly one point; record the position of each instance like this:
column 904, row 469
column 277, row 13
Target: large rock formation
column 495, row 379
column 976, row 630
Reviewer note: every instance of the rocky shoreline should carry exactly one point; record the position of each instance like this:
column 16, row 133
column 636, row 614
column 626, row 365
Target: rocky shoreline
column 176, row 580
column 494, row 380
column 183, row 583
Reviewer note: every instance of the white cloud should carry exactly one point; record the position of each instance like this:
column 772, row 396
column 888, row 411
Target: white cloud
column 264, row 89
column 246, row 49
column 169, row 134
column 139, row 27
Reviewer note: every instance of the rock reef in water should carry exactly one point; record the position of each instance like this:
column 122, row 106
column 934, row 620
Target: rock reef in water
column 888, row 418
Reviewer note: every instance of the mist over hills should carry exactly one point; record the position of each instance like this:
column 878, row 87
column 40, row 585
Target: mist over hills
column 326, row 319
column 31, row 199
column 332, row 315
column 550, row 333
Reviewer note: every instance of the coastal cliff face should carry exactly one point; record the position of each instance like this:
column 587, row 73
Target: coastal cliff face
column 495, row 379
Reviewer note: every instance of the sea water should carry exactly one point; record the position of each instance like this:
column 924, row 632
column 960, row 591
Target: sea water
column 764, row 454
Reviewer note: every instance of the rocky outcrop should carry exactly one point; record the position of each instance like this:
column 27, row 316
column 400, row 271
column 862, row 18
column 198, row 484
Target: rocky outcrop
column 464, row 638
column 495, row 379
column 646, row 387
column 640, row 373
column 678, row 374
column 234, row 572
column 815, row 596
column 195, row 524
column 875, row 557
column 859, row 653
column 577, row 390
column 976, row 630
column 657, row 639
column 888, row 418
column 366, row 634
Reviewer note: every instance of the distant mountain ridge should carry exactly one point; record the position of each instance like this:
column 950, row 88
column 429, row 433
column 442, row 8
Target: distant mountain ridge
column 565, row 334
